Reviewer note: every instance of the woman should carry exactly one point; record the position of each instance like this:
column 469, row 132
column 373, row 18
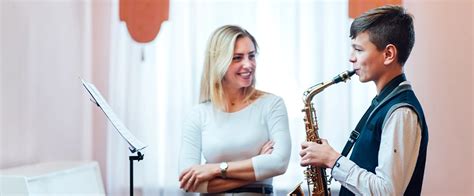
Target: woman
column 241, row 132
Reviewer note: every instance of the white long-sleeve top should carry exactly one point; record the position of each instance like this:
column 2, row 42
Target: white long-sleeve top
column 398, row 153
column 220, row 136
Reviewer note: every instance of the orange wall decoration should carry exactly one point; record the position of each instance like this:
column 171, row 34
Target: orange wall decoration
column 358, row 7
column 143, row 17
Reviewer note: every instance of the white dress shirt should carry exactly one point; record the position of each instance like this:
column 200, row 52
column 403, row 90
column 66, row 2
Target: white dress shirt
column 397, row 156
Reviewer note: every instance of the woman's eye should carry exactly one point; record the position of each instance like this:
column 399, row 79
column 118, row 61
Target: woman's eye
column 252, row 56
column 236, row 58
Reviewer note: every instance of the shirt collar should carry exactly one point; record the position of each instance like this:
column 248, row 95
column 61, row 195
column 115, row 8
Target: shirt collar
column 389, row 88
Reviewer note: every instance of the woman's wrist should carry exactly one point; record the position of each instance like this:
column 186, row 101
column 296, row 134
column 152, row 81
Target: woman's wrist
column 217, row 170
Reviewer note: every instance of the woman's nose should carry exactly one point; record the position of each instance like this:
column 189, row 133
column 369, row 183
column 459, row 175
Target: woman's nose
column 247, row 63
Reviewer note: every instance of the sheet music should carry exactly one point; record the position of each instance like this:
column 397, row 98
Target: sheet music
column 119, row 126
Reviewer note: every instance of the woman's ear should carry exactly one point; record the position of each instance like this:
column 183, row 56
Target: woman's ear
column 390, row 54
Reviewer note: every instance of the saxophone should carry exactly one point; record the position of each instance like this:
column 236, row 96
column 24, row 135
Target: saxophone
column 316, row 177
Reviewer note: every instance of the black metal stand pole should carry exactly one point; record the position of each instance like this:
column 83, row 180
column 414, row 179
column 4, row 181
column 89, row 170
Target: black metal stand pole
column 132, row 158
column 131, row 175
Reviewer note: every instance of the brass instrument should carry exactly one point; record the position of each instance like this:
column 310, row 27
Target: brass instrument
column 316, row 177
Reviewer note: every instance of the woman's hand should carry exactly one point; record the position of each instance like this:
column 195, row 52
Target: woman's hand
column 191, row 178
column 267, row 148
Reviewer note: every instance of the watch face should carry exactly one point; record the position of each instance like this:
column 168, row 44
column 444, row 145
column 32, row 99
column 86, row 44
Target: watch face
column 223, row 165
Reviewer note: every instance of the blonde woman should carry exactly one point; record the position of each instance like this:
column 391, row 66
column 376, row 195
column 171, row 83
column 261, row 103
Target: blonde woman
column 241, row 132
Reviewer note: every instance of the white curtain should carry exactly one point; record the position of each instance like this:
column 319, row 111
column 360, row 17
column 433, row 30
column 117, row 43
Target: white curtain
column 132, row 95
column 153, row 86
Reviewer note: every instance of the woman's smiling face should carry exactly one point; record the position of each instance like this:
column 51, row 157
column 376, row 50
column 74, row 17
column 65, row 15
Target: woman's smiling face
column 241, row 71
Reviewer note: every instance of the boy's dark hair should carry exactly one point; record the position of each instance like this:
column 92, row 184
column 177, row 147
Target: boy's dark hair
column 387, row 25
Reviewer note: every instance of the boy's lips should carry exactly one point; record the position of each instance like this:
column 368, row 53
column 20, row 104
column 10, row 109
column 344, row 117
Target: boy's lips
column 357, row 70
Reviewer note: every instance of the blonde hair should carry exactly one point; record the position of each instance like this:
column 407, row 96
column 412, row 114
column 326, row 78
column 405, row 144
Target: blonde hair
column 219, row 54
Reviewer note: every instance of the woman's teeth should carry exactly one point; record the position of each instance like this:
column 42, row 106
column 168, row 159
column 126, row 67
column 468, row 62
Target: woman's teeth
column 246, row 74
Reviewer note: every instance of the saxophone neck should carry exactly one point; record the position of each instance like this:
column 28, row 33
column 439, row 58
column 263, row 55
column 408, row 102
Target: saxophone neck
column 314, row 90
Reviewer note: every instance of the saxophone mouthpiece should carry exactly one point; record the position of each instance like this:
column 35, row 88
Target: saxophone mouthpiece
column 351, row 73
column 344, row 76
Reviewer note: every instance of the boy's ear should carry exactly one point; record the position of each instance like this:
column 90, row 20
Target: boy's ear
column 390, row 54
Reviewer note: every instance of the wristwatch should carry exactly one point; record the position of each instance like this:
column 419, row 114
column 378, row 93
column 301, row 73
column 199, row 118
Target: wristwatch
column 224, row 167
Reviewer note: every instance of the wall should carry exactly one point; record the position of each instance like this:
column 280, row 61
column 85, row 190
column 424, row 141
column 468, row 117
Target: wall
column 45, row 112
column 440, row 69
column 101, row 14
column 1, row 69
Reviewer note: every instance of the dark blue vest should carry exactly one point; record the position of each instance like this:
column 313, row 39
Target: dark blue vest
column 365, row 151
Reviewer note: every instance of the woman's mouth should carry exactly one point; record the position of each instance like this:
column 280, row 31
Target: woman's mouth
column 245, row 75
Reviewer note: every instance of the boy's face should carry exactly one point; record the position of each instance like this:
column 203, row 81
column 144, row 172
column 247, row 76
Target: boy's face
column 366, row 58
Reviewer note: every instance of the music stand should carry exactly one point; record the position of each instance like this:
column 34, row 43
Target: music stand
column 135, row 144
column 131, row 158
